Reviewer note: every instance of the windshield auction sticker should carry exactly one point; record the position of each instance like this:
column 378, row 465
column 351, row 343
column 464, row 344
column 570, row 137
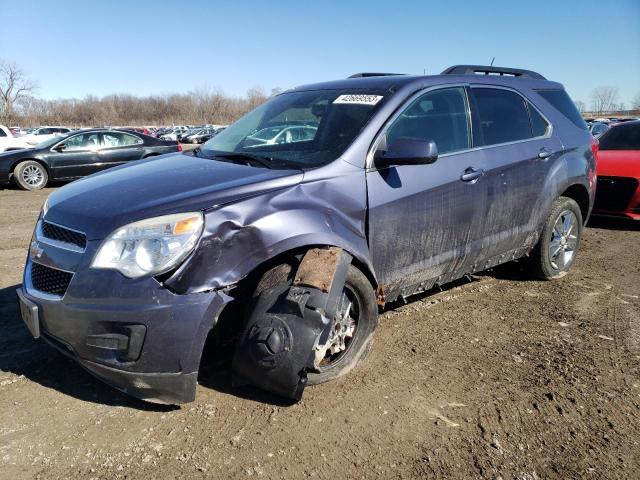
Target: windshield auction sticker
column 358, row 99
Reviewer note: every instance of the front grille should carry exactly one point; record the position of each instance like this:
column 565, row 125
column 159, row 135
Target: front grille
column 614, row 193
column 49, row 280
column 61, row 234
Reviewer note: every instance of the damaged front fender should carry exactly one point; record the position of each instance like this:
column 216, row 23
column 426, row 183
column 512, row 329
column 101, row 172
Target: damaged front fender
column 327, row 208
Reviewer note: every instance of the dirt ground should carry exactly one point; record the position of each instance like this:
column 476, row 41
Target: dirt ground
column 500, row 377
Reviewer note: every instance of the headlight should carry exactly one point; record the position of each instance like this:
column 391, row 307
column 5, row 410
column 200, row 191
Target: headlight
column 151, row 246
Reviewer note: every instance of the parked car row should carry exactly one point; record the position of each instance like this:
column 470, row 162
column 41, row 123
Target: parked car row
column 189, row 134
column 598, row 126
column 78, row 154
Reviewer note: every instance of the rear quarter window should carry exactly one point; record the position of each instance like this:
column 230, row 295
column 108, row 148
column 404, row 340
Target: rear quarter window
column 563, row 103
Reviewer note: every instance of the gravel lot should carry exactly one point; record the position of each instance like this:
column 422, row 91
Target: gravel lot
column 500, row 377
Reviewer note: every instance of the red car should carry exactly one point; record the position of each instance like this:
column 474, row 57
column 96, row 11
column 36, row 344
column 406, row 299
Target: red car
column 618, row 191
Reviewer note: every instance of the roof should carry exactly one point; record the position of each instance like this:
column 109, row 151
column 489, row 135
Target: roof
column 393, row 83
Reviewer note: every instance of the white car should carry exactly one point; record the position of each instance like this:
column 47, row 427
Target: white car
column 9, row 142
column 281, row 134
column 173, row 134
column 44, row 133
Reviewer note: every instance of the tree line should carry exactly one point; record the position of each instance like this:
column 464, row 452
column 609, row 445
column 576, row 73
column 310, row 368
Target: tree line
column 20, row 106
column 193, row 108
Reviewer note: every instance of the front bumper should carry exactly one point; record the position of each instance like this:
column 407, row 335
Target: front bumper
column 134, row 334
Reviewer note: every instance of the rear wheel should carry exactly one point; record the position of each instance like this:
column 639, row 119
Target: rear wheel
column 355, row 322
column 30, row 175
column 559, row 240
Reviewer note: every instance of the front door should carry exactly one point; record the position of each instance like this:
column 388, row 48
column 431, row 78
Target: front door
column 75, row 157
column 425, row 221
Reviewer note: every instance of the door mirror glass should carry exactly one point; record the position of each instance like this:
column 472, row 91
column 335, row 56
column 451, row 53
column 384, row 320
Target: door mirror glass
column 407, row 151
column 60, row 147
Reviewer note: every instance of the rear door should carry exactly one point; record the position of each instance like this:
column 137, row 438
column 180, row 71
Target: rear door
column 519, row 146
column 118, row 148
column 425, row 221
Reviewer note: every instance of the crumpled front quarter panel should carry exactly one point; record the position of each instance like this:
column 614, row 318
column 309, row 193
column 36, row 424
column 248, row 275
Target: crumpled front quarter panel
column 327, row 208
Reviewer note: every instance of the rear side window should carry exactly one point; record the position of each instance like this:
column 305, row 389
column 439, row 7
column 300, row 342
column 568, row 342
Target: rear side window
column 2, row 134
column 440, row 116
column 503, row 115
column 561, row 101
column 539, row 125
column 118, row 139
column 621, row 137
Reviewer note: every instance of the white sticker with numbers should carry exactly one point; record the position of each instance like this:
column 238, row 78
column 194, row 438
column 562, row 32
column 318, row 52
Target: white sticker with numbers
column 358, row 99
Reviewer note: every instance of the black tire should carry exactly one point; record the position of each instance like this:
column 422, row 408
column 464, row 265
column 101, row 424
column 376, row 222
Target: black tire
column 358, row 286
column 543, row 263
column 30, row 175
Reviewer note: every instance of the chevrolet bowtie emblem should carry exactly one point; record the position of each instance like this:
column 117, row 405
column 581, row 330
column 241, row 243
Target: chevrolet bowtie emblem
column 35, row 251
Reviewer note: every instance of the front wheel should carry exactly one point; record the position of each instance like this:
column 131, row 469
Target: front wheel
column 558, row 245
column 30, row 175
column 355, row 322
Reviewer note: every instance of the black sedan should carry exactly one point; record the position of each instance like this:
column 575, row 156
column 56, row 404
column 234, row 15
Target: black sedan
column 77, row 155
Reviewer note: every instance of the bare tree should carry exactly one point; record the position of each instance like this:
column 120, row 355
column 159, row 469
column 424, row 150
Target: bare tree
column 604, row 99
column 14, row 86
column 635, row 103
column 581, row 106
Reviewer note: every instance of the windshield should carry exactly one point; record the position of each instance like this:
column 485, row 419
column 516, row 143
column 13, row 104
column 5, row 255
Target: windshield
column 299, row 129
column 621, row 137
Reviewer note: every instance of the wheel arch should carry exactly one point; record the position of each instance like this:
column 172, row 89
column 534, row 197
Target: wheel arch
column 580, row 195
column 12, row 169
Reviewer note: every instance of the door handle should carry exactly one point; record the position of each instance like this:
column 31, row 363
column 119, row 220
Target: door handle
column 471, row 174
column 545, row 153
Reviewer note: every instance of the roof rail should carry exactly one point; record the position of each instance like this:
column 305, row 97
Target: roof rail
column 369, row 74
column 483, row 69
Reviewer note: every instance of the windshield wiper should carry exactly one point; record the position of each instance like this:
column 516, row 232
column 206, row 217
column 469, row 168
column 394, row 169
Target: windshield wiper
column 264, row 161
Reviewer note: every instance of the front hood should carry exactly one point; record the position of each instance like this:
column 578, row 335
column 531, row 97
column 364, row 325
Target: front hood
column 172, row 183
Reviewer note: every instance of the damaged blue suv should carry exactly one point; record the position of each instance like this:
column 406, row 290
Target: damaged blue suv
column 301, row 220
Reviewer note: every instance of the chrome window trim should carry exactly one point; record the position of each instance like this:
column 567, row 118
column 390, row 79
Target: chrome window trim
column 57, row 243
column 369, row 159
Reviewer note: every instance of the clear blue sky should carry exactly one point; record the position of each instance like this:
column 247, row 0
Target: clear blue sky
column 75, row 48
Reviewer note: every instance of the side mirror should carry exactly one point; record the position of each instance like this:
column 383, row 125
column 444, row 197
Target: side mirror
column 60, row 147
column 407, row 151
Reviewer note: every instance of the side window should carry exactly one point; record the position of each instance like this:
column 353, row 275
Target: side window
column 2, row 133
column 440, row 116
column 539, row 125
column 118, row 139
column 44, row 131
column 85, row 141
column 503, row 115
column 130, row 139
